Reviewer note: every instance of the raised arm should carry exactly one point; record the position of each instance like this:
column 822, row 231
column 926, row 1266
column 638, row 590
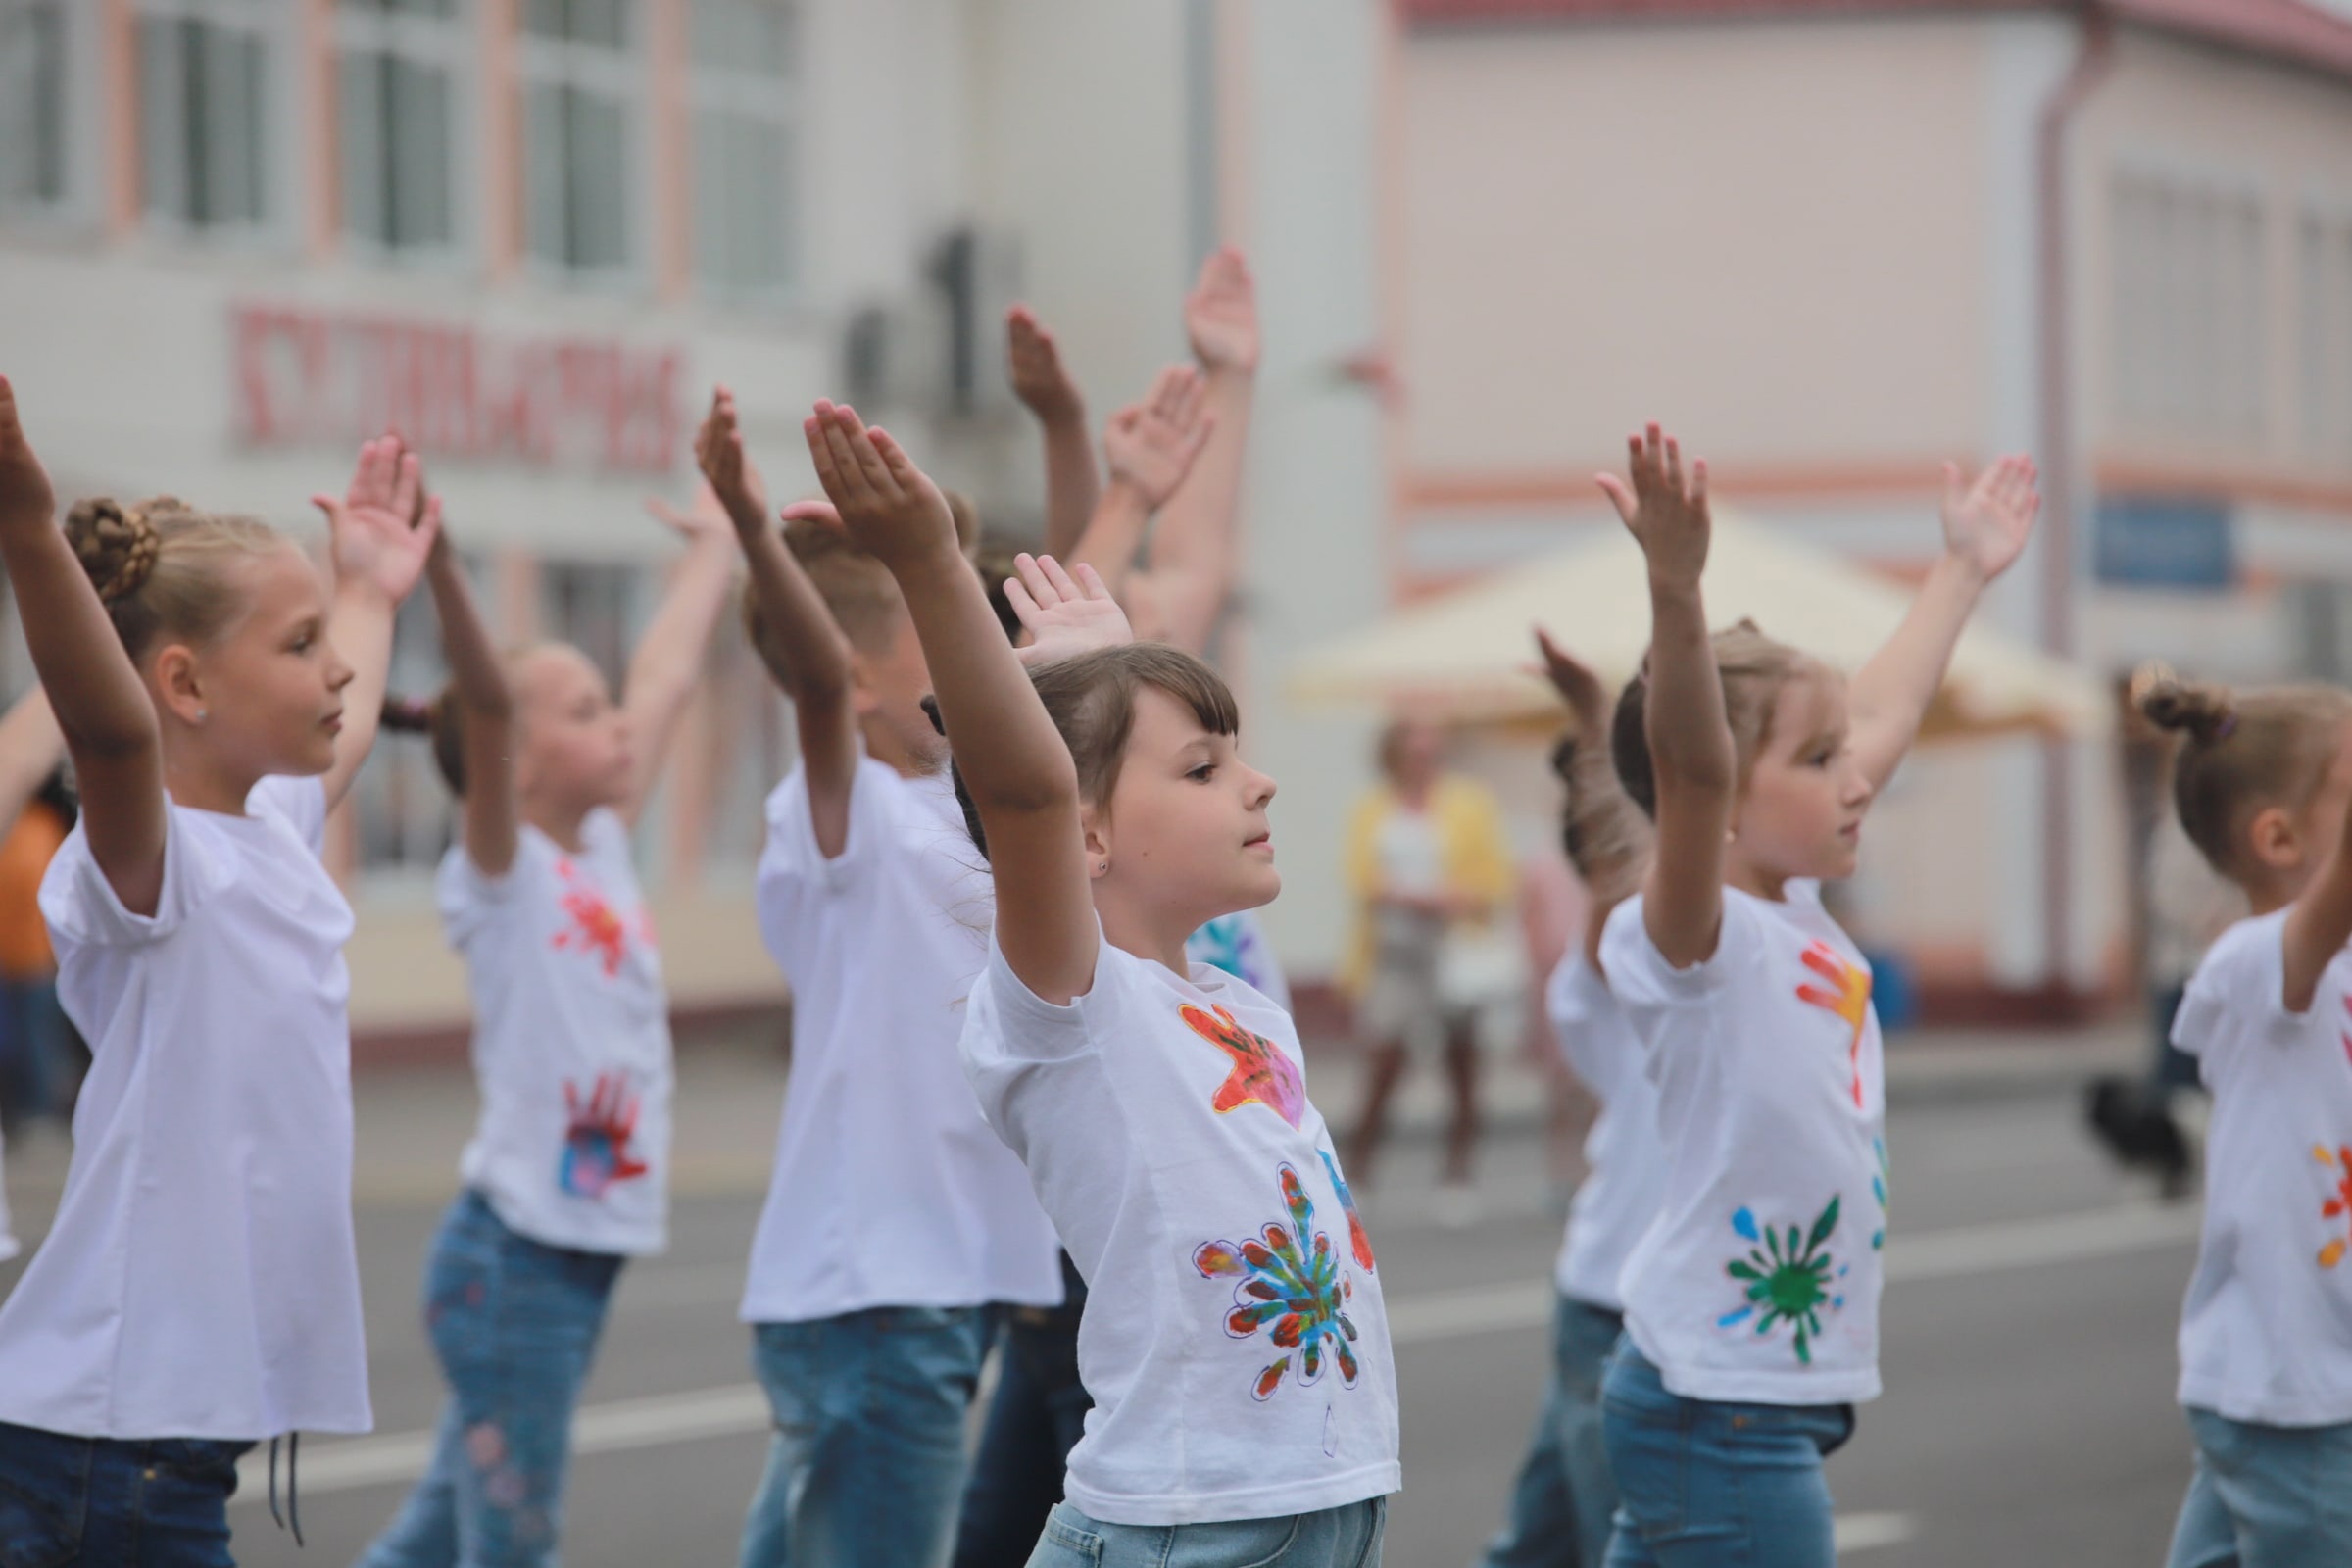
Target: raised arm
column 2319, row 927
column 1194, row 551
column 379, row 534
column 1045, row 386
column 1689, row 735
column 1608, row 837
column 1015, row 764
column 101, row 704
column 814, row 669
column 31, row 748
column 668, row 661
column 485, row 704
column 1152, row 445
column 1986, row 525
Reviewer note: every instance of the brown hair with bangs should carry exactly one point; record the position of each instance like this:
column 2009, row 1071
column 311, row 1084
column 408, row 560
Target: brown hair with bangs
column 1091, row 700
column 1753, row 669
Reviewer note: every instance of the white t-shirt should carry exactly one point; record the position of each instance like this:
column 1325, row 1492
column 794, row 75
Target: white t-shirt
column 571, row 1041
column 1624, row 1159
column 889, row 1188
column 1237, row 944
column 2266, row 1335
column 1412, row 860
column 201, row 1280
column 1759, row 1284
column 1234, row 1340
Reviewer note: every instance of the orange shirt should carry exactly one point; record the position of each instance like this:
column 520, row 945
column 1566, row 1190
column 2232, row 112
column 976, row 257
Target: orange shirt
column 25, row 856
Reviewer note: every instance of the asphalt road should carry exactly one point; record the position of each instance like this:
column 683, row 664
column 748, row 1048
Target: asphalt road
column 2029, row 1359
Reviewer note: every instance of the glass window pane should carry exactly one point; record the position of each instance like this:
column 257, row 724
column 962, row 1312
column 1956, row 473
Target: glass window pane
column 362, row 116
column 543, row 171
column 163, row 123
column 420, row 155
column 599, row 148
column 599, row 22
column 33, row 103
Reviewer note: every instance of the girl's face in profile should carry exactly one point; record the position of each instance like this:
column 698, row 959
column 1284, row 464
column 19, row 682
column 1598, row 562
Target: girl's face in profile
column 1187, row 829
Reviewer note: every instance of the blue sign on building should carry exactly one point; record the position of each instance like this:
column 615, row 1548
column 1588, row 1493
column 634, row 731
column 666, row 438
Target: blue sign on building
column 2165, row 542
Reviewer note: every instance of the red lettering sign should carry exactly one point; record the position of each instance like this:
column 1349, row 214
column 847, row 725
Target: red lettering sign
column 310, row 378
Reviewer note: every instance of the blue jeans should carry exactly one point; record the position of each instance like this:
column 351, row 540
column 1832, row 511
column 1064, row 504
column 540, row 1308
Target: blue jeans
column 1035, row 1419
column 1565, row 1501
column 1347, row 1537
column 1704, row 1484
column 114, row 1502
column 2265, row 1497
column 32, row 1048
column 867, row 1457
column 513, row 1324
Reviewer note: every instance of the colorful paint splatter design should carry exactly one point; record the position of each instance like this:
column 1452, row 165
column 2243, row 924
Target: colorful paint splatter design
column 1261, row 1072
column 595, row 925
column 595, row 1141
column 2338, row 1205
column 1358, row 1244
column 1847, row 995
column 2346, row 1035
column 1296, row 1287
column 1787, row 1277
column 1230, row 942
column 1878, row 1189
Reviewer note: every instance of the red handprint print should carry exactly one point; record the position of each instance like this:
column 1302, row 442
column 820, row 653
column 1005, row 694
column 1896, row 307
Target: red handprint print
column 596, row 1146
column 595, row 927
column 1260, row 1070
column 1849, row 1000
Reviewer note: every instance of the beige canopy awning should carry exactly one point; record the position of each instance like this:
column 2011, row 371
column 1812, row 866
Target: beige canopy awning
column 1465, row 655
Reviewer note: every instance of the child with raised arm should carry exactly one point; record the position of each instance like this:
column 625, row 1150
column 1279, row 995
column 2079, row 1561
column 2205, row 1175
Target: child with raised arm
column 2263, row 783
column 896, row 1219
column 1751, row 1305
column 1565, row 1500
column 199, row 1291
column 1233, row 1338
column 567, row 1174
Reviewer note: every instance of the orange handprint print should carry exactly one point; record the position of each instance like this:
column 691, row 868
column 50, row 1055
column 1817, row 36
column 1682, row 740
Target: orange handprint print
column 596, row 1146
column 1849, row 1000
column 595, row 927
column 2339, row 1163
column 1260, row 1070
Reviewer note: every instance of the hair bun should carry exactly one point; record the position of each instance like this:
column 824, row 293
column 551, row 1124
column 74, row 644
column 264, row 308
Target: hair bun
column 2206, row 714
column 117, row 544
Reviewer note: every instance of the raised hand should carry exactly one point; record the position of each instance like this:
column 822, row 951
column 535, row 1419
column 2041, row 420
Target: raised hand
column 889, row 508
column 1986, row 524
column 381, row 531
column 1666, row 516
column 1151, row 445
column 1579, row 687
column 1220, row 314
column 1066, row 616
column 25, row 495
column 1034, row 363
column 700, row 523
column 727, row 468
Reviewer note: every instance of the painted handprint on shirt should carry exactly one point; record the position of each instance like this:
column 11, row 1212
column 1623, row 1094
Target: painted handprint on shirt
column 1304, row 1294
column 1848, row 996
column 595, row 926
column 1261, row 1072
column 2338, row 1205
column 596, row 1144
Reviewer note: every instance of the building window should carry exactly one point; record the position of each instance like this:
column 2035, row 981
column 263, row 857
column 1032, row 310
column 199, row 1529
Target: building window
column 40, row 58
column 2325, row 267
column 598, row 607
column 206, row 91
column 746, row 63
column 400, row 81
column 580, row 82
column 2190, row 311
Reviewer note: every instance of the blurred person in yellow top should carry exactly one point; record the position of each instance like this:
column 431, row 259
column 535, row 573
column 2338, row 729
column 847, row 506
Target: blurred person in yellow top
column 38, row 811
column 1430, row 867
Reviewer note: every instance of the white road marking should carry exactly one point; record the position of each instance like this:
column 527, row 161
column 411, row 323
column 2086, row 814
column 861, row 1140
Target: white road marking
column 1862, row 1532
column 1967, row 1251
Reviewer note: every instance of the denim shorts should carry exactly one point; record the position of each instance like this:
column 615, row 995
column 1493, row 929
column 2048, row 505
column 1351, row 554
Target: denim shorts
column 1345, row 1537
column 100, row 1502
